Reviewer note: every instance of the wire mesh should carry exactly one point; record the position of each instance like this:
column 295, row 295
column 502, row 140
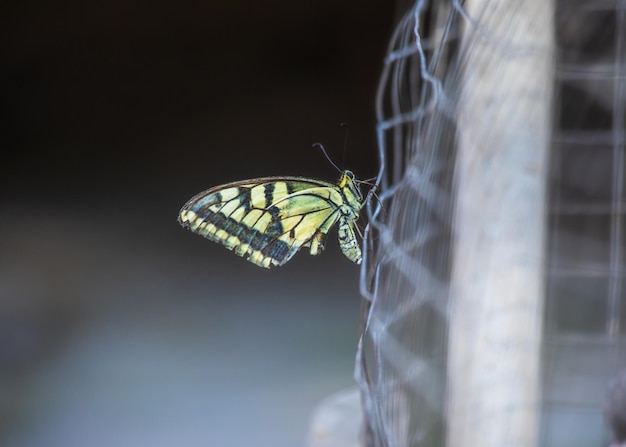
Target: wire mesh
column 402, row 354
column 403, row 362
column 585, row 316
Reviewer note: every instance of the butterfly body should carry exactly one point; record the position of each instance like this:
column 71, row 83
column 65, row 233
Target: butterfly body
column 267, row 220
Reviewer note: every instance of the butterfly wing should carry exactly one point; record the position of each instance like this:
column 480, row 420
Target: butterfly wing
column 265, row 220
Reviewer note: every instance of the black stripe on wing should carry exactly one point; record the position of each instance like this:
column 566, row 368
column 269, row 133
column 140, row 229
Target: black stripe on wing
column 205, row 215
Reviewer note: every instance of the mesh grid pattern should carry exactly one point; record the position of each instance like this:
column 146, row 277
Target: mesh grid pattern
column 585, row 313
column 408, row 246
column 401, row 363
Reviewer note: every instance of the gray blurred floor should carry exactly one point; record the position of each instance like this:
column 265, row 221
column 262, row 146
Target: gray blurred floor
column 117, row 336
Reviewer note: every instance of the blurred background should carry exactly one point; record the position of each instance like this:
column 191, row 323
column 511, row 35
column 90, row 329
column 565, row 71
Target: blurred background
column 118, row 327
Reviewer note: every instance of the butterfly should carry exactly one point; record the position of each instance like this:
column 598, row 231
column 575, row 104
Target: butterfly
column 267, row 220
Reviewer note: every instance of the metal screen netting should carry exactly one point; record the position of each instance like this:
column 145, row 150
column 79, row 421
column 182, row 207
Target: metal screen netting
column 585, row 311
column 494, row 280
column 401, row 362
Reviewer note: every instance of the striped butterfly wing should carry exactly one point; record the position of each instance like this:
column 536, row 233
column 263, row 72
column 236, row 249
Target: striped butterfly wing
column 266, row 220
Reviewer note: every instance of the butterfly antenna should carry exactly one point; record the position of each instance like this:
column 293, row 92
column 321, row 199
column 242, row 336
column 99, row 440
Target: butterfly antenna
column 345, row 143
column 326, row 155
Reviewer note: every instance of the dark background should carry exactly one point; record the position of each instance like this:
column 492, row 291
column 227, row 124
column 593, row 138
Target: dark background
column 117, row 327
column 106, row 100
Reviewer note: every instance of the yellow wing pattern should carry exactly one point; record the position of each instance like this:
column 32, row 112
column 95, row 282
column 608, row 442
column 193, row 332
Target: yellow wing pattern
column 268, row 220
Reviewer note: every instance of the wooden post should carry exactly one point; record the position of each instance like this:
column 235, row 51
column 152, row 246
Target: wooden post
column 500, row 224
